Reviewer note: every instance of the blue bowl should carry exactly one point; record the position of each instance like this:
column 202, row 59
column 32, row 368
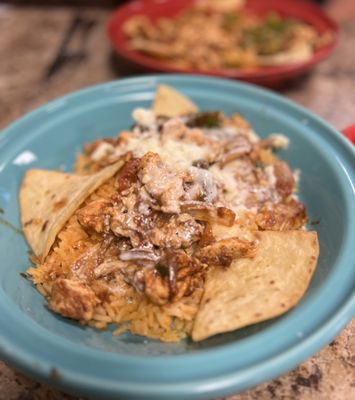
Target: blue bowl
column 84, row 361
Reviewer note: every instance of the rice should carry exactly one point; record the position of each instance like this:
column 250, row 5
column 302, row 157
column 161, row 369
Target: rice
column 123, row 306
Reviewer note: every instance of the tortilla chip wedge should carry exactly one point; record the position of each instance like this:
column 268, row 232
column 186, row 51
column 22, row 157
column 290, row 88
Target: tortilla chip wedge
column 257, row 289
column 298, row 53
column 170, row 103
column 221, row 5
column 49, row 198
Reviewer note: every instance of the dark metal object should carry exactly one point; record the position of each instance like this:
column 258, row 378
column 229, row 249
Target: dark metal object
column 78, row 26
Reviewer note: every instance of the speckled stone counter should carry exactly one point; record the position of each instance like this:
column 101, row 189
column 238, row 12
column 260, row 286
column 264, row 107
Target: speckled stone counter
column 29, row 41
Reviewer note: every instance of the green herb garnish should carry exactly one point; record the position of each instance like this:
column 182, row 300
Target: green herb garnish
column 210, row 119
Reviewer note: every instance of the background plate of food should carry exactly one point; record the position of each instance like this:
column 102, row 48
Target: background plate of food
column 263, row 42
column 175, row 261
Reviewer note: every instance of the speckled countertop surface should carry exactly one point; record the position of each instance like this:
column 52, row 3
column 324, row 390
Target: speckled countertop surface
column 29, row 40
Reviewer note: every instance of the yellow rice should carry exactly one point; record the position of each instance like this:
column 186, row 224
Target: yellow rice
column 125, row 308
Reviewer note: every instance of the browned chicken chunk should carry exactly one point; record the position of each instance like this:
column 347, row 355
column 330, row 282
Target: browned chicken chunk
column 73, row 299
column 282, row 216
column 224, row 251
column 95, row 216
column 179, row 231
column 83, row 267
column 161, row 183
column 128, row 174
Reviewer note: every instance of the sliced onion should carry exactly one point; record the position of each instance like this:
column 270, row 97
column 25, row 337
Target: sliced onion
column 139, row 254
column 205, row 212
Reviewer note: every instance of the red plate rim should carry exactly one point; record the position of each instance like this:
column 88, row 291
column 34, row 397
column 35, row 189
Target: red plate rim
column 125, row 11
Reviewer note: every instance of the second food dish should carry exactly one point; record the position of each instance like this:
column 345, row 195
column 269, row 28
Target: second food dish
column 211, row 35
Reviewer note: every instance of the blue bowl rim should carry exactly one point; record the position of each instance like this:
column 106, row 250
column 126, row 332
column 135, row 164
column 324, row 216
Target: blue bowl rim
column 17, row 355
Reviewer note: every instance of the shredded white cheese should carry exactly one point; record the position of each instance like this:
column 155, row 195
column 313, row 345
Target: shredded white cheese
column 172, row 152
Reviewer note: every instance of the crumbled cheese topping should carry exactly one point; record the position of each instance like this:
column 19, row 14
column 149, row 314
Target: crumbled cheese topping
column 280, row 141
column 172, row 152
column 180, row 147
column 144, row 117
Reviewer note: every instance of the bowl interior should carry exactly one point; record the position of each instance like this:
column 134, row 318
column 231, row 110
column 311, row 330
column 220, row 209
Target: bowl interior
column 52, row 137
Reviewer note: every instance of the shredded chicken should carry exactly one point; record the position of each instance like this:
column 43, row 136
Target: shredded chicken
column 125, row 220
column 176, row 276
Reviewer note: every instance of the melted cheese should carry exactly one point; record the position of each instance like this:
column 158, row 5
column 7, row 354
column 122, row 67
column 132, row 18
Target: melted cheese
column 180, row 155
column 174, row 153
column 233, row 193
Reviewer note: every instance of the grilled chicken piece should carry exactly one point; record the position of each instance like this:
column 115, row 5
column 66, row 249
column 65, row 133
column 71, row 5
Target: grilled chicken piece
column 224, row 251
column 176, row 276
column 282, row 216
column 166, row 279
column 95, row 216
column 123, row 225
column 128, row 174
column 73, row 299
column 185, row 274
column 161, row 183
column 179, row 231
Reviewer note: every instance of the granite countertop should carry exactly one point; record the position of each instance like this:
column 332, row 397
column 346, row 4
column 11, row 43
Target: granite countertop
column 29, row 41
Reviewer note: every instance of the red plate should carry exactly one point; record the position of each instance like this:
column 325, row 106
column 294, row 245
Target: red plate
column 267, row 76
column 349, row 132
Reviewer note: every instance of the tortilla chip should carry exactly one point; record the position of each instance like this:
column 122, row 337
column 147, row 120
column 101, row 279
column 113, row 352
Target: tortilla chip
column 158, row 50
column 221, row 5
column 298, row 53
column 170, row 103
column 49, row 198
column 257, row 289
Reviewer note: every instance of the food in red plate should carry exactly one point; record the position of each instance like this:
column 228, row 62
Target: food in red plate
column 209, row 36
column 149, row 51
